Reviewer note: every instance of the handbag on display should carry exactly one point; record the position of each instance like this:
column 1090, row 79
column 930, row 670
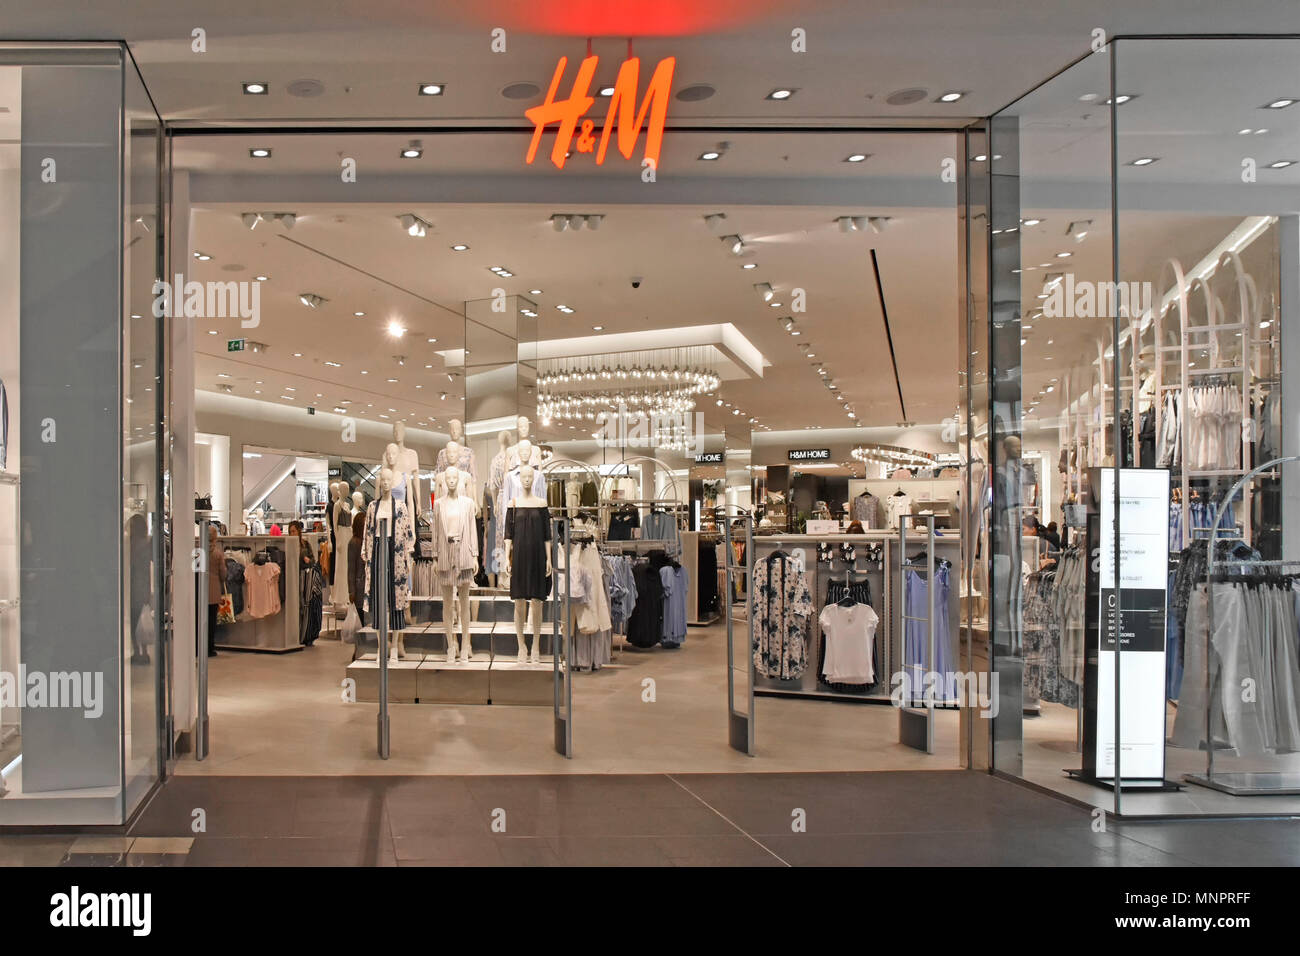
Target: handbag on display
column 203, row 503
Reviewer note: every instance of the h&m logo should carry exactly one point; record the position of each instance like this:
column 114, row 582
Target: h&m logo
column 623, row 112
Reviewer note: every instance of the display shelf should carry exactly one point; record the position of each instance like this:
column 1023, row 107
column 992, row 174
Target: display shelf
column 431, row 679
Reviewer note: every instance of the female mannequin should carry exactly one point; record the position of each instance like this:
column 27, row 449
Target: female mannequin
column 402, row 529
column 455, row 546
column 407, row 462
column 525, row 452
column 527, row 531
column 341, row 522
column 461, row 458
column 358, row 502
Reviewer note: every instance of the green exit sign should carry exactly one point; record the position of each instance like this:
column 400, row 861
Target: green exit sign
column 235, row 345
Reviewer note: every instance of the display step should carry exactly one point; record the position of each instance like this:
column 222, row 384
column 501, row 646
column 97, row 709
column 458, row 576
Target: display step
column 431, row 679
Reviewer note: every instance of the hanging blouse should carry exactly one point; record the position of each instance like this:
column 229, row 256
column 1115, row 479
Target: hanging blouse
column 782, row 609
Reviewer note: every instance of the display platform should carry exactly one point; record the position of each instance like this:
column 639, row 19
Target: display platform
column 421, row 678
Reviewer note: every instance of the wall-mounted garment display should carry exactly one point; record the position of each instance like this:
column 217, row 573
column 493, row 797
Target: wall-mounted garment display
column 621, row 585
column 529, row 529
column 849, row 636
column 263, row 591
column 897, row 504
column 782, row 607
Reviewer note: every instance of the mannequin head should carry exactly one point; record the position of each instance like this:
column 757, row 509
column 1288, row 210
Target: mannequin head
column 453, row 452
column 457, row 430
column 344, row 489
column 1011, row 445
column 399, row 432
column 385, row 482
column 358, row 501
column 526, row 476
column 334, row 491
column 503, row 439
column 524, row 425
column 525, row 450
column 390, row 456
column 452, row 478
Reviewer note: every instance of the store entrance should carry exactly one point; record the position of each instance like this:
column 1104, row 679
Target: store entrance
column 657, row 363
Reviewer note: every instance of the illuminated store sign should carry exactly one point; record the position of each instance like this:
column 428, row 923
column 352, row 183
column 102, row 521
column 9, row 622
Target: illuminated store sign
column 709, row 458
column 809, row 454
column 569, row 114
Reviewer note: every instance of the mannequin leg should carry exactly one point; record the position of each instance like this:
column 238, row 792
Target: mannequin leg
column 536, row 655
column 521, row 624
column 466, row 645
column 448, row 624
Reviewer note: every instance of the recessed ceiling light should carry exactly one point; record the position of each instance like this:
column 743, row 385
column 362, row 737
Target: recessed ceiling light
column 358, row 314
column 607, row 91
column 333, row 364
column 392, row 381
column 1282, row 163
column 1121, row 99
column 1259, row 132
column 597, row 328
column 460, row 247
column 710, row 155
column 1089, row 97
column 260, row 152
column 950, row 97
column 432, row 89
column 781, row 93
column 1245, row 132
column 297, row 355
column 212, row 331
column 750, row 265
column 980, row 158
column 1030, row 222
column 396, row 329
column 202, row 256
column 534, row 291
column 1281, row 103
column 261, row 278
column 1144, row 161
column 412, row 152
column 1064, row 255
column 855, row 157
column 256, row 89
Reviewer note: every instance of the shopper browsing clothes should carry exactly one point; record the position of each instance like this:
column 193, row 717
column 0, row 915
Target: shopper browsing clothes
column 216, row 585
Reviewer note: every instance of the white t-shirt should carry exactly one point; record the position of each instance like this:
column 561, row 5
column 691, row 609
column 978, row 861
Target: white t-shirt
column 850, row 634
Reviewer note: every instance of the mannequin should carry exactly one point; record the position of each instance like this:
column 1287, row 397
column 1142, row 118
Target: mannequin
column 358, row 502
column 525, row 452
column 527, row 531
column 402, row 527
column 341, row 518
column 494, row 544
column 408, row 464
column 455, row 455
column 456, row 550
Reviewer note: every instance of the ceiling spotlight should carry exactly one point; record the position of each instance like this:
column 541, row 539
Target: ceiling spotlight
column 459, row 247
column 534, row 291
column 1144, row 161
column 559, row 223
column 414, row 225
column 715, row 220
column 1282, row 163
column 256, row 89
column 593, row 222
column 780, row 94
column 856, row 157
column 1281, row 104
column 846, row 224
column 286, row 219
column 598, row 328
column 750, row 265
column 607, row 91
column 734, row 243
column 765, row 290
column 710, row 155
column 251, row 219
column 1079, row 229
column 202, row 256
column 980, row 158
column 261, row 278
column 1034, row 222
column 413, row 151
column 787, row 323
column 311, row 300
column 432, row 89
column 396, row 329
column 260, row 152
column 951, row 97
column 1064, row 255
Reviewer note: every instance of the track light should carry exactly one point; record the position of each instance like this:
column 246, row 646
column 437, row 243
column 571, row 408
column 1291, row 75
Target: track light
column 765, row 290
column 287, row 219
column 432, row 89
column 847, row 224
column 593, row 222
column 260, row 152
column 251, row 219
column 734, row 244
column 715, row 221
column 311, row 300
column 559, row 223
column 414, row 225
column 256, row 89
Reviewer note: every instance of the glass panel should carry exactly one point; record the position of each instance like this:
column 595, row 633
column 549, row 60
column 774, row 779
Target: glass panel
column 62, row 437
column 1206, row 172
column 142, row 373
column 1046, row 423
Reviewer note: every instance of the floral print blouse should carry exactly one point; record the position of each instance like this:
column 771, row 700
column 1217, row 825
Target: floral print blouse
column 782, row 609
column 404, row 548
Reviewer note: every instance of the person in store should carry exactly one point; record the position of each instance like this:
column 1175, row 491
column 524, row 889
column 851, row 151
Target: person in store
column 1051, row 535
column 295, row 527
column 216, row 585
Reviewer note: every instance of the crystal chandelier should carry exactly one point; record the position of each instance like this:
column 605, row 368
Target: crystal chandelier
column 659, row 383
column 894, row 455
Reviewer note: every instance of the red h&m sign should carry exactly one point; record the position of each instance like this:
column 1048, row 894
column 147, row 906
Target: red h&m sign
column 623, row 112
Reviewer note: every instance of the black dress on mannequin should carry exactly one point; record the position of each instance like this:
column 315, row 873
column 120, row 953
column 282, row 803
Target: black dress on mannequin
column 529, row 529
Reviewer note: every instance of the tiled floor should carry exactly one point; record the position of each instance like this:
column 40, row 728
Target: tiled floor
column 949, row 818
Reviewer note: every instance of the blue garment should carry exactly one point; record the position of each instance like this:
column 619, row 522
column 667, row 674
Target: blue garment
column 399, row 489
column 916, row 648
column 489, row 539
column 660, row 526
column 674, row 582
